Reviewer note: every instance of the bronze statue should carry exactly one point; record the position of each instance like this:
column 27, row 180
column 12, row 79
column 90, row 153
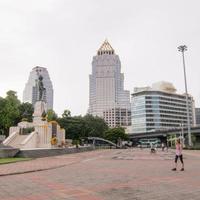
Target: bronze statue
column 41, row 88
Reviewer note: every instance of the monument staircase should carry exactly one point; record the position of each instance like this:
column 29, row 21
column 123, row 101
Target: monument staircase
column 15, row 140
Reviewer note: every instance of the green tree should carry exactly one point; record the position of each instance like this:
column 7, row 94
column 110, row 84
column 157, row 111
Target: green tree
column 10, row 113
column 2, row 113
column 94, row 126
column 74, row 127
column 66, row 113
column 113, row 134
column 78, row 127
column 26, row 112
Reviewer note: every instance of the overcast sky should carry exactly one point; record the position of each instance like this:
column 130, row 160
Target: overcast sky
column 64, row 35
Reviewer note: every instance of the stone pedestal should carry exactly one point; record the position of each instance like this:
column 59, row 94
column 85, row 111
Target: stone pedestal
column 39, row 109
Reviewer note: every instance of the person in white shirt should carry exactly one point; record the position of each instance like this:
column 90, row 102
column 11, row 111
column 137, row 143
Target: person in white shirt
column 179, row 148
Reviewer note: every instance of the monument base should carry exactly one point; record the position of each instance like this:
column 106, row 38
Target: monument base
column 39, row 110
column 37, row 134
column 7, row 151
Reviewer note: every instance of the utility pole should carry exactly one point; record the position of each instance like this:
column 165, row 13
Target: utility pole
column 182, row 49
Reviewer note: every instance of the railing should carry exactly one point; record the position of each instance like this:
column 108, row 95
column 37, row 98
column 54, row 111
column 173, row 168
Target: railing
column 10, row 138
column 29, row 141
column 102, row 140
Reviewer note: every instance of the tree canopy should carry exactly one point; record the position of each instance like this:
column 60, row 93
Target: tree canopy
column 78, row 127
column 66, row 113
column 114, row 134
column 26, row 112
column 12, row 111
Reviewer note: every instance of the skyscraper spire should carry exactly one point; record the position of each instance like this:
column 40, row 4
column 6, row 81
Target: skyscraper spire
column 105, row 48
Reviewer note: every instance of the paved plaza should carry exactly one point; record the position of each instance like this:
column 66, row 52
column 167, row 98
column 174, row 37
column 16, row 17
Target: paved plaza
column 116, row 174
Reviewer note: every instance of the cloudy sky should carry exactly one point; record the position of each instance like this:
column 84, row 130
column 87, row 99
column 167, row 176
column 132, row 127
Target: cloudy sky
column 64, row 35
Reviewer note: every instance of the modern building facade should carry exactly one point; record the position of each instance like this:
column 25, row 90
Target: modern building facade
column 159, row 107
column 31, row 92
column 108, row 99
column 197, row 113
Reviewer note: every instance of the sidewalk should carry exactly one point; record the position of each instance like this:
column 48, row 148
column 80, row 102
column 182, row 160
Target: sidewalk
column 121, row 174
column 40, row 164
column 47, row 163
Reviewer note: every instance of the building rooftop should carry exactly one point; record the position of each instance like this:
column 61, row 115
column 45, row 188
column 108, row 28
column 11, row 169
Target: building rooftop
column 162, row 86
column 105, row 48
column 39, row 68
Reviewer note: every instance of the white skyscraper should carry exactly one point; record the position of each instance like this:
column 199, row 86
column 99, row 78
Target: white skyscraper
column 108, row 99
column 30, row 93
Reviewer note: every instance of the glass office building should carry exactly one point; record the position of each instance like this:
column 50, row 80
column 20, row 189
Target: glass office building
column 159, row 107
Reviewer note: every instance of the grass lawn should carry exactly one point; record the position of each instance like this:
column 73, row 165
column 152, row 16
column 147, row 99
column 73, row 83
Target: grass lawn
column 11, row 160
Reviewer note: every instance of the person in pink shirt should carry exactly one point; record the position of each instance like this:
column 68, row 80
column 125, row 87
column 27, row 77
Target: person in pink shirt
column 179, row 148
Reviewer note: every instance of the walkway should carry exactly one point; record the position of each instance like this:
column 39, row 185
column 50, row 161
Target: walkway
column 104, row 175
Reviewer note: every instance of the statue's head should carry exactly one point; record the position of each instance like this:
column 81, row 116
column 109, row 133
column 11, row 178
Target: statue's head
column 40, row 77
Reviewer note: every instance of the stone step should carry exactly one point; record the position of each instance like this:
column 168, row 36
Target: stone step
column 17, row 141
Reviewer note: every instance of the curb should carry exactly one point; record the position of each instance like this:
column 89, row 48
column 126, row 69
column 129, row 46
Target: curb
column 30, row 171
column 37, row 170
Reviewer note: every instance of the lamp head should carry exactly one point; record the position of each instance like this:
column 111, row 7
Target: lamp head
column 182, row 48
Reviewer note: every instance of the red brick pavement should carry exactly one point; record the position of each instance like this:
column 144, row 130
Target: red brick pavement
column 107, row 175
column 40, row 164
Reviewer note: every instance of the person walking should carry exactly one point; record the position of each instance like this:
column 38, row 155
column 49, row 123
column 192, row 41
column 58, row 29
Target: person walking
column 179, row 148
column 152, row 148
column 167, row 146
column 162, row 146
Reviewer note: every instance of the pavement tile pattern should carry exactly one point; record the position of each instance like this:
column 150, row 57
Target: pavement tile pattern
column 116, row 174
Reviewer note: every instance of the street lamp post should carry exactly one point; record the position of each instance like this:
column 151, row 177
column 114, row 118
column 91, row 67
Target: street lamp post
column 182, row 134
column 182, row 49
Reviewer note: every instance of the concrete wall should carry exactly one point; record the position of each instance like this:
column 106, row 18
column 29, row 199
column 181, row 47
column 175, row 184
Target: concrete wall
column 39, row 153
column 8, row 153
